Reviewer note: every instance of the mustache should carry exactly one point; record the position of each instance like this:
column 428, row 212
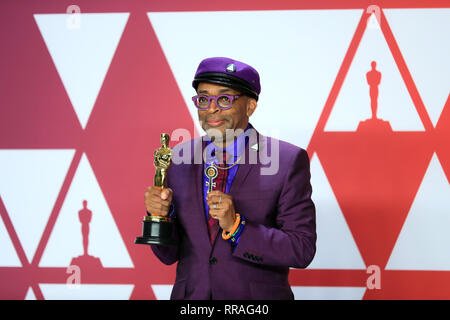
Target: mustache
column 215, row 119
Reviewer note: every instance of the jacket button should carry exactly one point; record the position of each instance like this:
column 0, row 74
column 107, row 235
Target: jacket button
column 212, row 260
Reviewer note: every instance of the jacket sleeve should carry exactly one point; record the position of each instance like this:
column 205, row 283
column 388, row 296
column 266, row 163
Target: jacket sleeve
column 292, row 243
column 167, row 254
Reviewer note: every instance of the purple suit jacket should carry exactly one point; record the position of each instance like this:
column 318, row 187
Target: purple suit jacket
column 280, row 231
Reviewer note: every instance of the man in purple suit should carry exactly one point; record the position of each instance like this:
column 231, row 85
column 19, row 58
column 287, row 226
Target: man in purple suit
column 244, row 213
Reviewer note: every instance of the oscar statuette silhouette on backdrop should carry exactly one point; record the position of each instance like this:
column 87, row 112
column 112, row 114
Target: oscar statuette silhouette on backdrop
column 158, row 229
column 374, row 123
column 86, row 261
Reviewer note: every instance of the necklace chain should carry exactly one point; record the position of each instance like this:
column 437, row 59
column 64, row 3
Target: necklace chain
column 229, row 167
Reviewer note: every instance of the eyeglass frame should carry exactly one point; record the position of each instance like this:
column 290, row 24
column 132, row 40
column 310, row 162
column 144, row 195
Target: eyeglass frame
column 215, row 98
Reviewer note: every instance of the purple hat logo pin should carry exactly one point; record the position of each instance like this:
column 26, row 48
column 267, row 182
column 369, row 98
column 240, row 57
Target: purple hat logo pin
column 231, row 67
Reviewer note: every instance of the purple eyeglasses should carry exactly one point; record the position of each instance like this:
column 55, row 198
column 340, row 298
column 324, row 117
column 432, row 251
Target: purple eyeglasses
column 223, row 102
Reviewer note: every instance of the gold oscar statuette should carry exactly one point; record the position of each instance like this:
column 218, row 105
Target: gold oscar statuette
column 158, row 229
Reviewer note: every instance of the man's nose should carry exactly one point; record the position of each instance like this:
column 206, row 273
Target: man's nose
column 213, row 107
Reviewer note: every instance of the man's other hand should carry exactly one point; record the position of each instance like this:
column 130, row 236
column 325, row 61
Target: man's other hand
column 157, row 200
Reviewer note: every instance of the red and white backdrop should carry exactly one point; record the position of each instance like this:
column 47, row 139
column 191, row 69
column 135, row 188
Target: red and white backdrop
column 85, row 96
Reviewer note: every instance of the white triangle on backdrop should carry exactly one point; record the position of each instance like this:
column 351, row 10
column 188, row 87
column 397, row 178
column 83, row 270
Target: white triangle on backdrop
column 82, row 55
column 30, row 181
column 424, row 242
column 66, row 240
column 8, row 256
column 86, row 291
column 426, row 53
column 328, row 293
column 353, row 101
column 162, row 291
column 372, row 22
column 290, row 50
column 30, row 294
column 336, row 248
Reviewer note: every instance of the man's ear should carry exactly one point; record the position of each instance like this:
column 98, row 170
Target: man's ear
column 251, row 106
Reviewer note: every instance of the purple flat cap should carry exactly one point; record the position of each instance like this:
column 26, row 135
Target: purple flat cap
column 230, row 73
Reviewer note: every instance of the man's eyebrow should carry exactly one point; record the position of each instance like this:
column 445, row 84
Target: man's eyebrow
column 225, row 90
column 220, row 91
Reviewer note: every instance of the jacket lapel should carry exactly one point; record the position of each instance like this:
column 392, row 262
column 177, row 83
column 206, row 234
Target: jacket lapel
column 248, row 162
column 198, row 193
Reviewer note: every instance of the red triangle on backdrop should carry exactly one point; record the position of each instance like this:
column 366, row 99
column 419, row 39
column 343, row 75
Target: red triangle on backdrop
column 375, row 180
column 374, row 172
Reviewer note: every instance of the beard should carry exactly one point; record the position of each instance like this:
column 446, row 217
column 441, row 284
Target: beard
column 223, row 135
column 219, row 134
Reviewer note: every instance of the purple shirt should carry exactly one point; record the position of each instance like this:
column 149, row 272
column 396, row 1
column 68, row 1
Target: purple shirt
column 235, row 149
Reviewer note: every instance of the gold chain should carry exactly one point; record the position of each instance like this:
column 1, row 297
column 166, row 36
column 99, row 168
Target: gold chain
column 226, row 168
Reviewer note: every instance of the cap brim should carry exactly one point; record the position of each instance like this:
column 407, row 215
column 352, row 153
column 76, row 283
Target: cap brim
column 226, row 80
